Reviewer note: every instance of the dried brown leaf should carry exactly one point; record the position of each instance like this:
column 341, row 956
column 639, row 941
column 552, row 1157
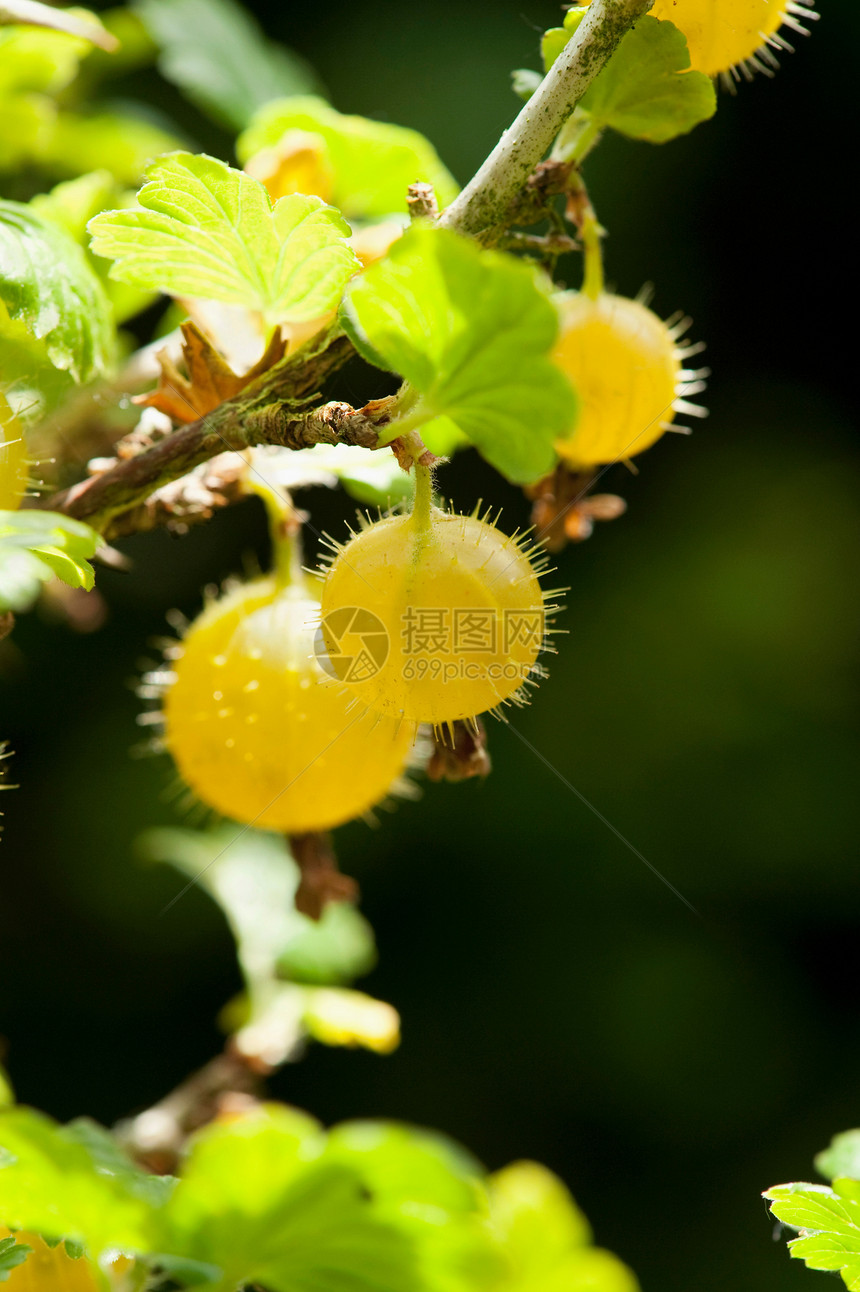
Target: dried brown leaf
column 210, row 379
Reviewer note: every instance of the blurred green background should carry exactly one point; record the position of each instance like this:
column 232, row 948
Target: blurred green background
column 558, row 1001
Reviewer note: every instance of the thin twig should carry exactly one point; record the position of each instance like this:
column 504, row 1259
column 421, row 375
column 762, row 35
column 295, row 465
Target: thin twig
column 485, row 202
column 272, row 410
column 157, row 1136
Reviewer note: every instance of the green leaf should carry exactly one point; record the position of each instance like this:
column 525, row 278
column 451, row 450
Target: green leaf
column 51, row 1183
column 21, row 578
column 471, row 331
column 182, row 1270
column 645, row 91
column 32, row 385
column 37, row 59
column 829, row 1225
column 216, row 53
column 544, row 1239
column 34, row 545
column 72, row 204
column 112, row 1160
column 445, row 436
column 12, row 1254
column 255, row 1200
column 591, row 1270
column 47, row 284
column 555, row 39
column 524, row 82
column 253, row 878
column 77, row 23
column 371, row 476
column 372, row 163
column 335, row 949
column 26, row 119
column 120, row 142
column 404, row 1166
column 203, row 229
column 7, row 1094
column 842, row 1158
column 539, row 1219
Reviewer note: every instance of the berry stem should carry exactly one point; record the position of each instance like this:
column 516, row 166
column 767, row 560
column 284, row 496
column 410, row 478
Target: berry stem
column 592, row 282
column 581, row 213
column 285, row 531
column 423, row 495
column 577, row 138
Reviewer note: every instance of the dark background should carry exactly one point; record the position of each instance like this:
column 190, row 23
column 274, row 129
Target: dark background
column 558, row 1001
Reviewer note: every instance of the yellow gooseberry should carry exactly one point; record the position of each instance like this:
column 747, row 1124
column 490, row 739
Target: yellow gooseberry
column 256, row 728
column 13, row 458
column 298, row 163
column 724, row 35
column 49, row 1269
column 627, row 368
column 431, row 617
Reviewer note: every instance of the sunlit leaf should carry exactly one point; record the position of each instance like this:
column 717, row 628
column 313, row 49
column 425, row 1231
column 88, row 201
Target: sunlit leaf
column 120, row 142
column 829, row 1225
column 217, row 54
column 372, row 163
column 203, row 229
column 31, row 383
column 544, row 1241
column 253, row 878
column 47, row 285
column 405, row 1165
column 34, row 545
column 337, row 1016
column 842, row 1158
column 646, row 90
column 72, row 204
column 371, row 476
column 51, row 1183
column 33, row 58
column 73, row 22
column 471, row 331
column 255, row 1200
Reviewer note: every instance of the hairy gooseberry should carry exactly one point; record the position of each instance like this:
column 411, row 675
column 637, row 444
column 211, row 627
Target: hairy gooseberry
column 431, row 617
column 734, row 35
column 259, row 732
column 626, row 365
column 13, row 458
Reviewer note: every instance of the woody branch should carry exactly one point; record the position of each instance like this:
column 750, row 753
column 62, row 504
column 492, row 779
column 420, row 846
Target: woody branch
column 277, row 407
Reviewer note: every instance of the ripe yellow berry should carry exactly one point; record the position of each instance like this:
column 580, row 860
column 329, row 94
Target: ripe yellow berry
column 432, row 617
column 49, row 1269
column 726, row 34
column 13, row 458
column 259, row 732
column 626, row 366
